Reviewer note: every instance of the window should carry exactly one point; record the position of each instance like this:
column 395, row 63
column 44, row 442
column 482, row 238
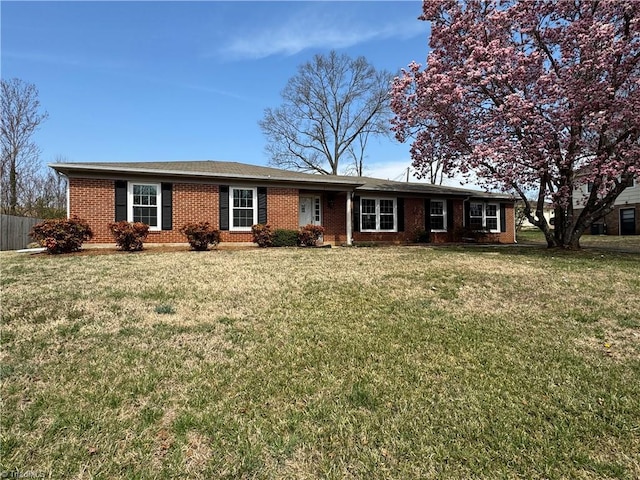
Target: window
column 316, row 210
column 475, row 216
column 243, row 208
column 438, row 215
column 491, row 217
column 144, row 204
column 484, row 216
column 378, row 214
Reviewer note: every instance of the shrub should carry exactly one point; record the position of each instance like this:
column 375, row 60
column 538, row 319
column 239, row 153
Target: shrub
column 200, row 235
column 285, row 238
column 309, row 235
column 469, row 235
column 62, row 235
column 129, row 236
column 421, row 236
column 262, row 235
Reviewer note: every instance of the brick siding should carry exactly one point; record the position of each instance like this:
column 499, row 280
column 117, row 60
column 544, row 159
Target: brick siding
column 94, row 201
column 612, row 219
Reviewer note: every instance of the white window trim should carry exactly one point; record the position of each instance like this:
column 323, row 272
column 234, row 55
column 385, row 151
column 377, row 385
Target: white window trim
column 317, row 203
column 444, row 216
column 377, row 229
column 158, row 203
column 255, row 208
column 484, row 215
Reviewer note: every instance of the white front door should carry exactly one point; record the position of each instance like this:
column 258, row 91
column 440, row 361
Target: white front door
column 309, row 211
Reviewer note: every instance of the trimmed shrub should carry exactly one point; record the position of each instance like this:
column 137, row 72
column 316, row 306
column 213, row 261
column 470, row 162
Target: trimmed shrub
column 200, row 235
column 62, row 235
column 285, row 238
column 129, row 236
column 262, row 235
column 309, row 235
column 421, row 236
column 469, row 235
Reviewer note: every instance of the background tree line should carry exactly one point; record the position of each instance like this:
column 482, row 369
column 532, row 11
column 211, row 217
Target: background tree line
column 26, row 188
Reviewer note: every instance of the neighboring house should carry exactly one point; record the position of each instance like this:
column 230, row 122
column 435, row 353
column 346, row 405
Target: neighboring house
column 235, row 196
column 547, row 212
column 625, row 217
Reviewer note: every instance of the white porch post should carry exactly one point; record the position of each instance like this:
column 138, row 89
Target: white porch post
column 349, row 220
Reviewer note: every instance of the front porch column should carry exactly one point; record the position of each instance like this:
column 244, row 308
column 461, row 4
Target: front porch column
column 349, row 220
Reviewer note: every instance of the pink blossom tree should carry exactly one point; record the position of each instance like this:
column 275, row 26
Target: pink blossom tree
column 533, row 97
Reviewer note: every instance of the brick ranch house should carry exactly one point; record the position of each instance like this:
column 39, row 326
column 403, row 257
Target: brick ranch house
column 235, row 196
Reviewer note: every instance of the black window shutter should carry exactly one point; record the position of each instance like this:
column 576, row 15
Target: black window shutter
column 449, row 214
column 167, row 206
column 356, row 214
column 224, row 207
column 262, row 205
column 503, row 217
column 427, row 215
column 467, row 213
column 400, row 205
column 121, row 200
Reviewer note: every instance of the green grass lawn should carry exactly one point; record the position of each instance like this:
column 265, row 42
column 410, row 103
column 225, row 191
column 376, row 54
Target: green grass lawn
column 324, row 363
column 630, row 243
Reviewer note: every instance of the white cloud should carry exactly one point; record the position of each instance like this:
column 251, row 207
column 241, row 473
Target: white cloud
column 315, row 30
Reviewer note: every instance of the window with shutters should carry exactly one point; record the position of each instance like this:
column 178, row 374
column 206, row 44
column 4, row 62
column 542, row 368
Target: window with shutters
column 244, row 208
column 484, row 216
column 144, row 204
column 378, row 215
column 438, row 216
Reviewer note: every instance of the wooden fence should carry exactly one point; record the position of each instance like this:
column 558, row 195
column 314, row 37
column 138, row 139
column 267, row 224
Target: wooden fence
column 14, row 231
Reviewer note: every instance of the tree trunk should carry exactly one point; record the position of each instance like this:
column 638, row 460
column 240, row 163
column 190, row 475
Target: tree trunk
column 13, row 188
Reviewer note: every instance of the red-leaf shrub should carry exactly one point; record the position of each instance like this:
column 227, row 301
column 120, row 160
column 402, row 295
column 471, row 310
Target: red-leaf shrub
column 200, row 235
column 262, row 235
column 309, row 235
column 62, row 235
column 129, row 236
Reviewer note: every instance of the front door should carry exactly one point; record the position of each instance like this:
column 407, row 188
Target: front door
column 309, row 211
column 628, row 221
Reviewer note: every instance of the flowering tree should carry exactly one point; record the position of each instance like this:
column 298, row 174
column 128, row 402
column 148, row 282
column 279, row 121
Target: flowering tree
column 534, row 96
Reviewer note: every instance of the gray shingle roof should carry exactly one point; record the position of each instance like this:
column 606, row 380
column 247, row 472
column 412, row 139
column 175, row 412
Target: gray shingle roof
column 244, row 171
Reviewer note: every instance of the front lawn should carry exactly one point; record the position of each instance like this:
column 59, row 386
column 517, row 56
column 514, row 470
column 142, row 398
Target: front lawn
column 402, row 363
column 628, row 243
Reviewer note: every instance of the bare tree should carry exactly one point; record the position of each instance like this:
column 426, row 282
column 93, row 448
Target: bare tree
column 45, row 195
column 330, row 107
column 20, row 117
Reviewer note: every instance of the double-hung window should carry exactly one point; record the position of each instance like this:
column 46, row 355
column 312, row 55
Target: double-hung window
column 378, row 214
column 144, row 204
column 244, row 207
column 484, row 216
column 438, row 215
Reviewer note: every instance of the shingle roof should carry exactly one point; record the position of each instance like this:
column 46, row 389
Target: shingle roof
column 244, row 171
column 380, row 185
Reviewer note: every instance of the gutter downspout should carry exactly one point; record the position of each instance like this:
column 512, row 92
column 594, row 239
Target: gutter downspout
column 349, row 219
column 515, row 238
column 68, row 194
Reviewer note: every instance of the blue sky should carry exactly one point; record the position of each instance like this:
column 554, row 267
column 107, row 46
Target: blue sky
column 151, row 81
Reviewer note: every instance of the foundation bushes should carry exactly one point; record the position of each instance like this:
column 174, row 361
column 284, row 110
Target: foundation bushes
column 62, row 235
column 309, row 235
column 285, row 238
column 469, row 235
column 129, row 236
column 262, row 235
column 200, row 235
